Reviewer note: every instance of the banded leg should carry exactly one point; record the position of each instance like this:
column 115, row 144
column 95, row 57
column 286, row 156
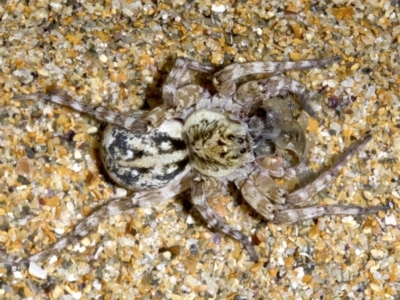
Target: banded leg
column 224, row 80
column 258, row 90
column 215, row 221
column 133, row 122
column 304, row 195
column 175, row 78
column 306, row 213
column 111, row 208
column 258, row 201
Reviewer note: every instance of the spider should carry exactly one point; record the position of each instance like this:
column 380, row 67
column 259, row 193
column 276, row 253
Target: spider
column 243, row 133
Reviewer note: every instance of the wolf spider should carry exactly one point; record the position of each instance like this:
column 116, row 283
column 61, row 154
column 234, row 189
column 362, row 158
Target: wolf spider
column 198, row 141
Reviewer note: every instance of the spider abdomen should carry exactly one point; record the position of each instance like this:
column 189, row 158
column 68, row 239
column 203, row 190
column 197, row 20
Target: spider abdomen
column 144, row 161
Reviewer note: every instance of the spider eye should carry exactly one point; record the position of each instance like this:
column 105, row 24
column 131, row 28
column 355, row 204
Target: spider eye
column 240, row 140
column 231, row 137
column 235, row 156
column 242, row 150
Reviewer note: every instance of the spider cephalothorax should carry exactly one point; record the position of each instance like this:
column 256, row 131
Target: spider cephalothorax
column 248, row 135
column 217, row 144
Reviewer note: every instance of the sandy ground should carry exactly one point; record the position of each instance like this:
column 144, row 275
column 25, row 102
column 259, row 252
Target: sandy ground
column 116, row 54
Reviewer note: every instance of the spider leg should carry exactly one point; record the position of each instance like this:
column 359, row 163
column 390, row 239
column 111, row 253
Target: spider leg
column 305, row 194
column 224, row 80
column 109, row 209
column 132, row 122
column 259, row 190
column 257, row 200
column 175, row 78
column 113, row 207
column 258, row 90
column 213, row 220
column 305, row 213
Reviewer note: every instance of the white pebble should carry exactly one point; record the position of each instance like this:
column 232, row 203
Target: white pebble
column 97, row 285
column 37, row 271
column 59, row 230
column 77, row 154
column 98, row 252
column 300, row 272
column 48, row 109
column 377, row 254
column 115, row 4
column 218, row 8
column 370, row 92
column 347, row 82
column 70, row 207
column 167, row 255
column 91, row 130
column 190, row 220
column 76, row 295
column 76, row 168
column 43, row 72
column 55, row 6
column 85, row 242
column 330, row 83
column 17, row 274
column 53, row 259
column 395, row 194
column 347, row 219
column 149, row 79
column 390, row 220
column 103, row 58
column 120, row 192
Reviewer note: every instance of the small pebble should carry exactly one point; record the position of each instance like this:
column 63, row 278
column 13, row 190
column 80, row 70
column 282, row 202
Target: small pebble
column 77, row 154
column 348, row 82
column 92, row 130
column 390, row 220
column 17, row 274
column 120, row 192
column 76, row 167
column 37, row 271
column 59, row 231
column 103, row 58
column 218, row 8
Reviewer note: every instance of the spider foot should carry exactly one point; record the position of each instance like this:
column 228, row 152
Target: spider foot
column 250, row 250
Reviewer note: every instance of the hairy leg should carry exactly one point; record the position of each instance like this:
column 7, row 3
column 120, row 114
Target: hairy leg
column 304, row 195
column 213, row 220
column 258, row 90
column 224, row 80
column 258, row 201
column 175, row 78
column 111, row 208
column 133, row 122
column 305, row 213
